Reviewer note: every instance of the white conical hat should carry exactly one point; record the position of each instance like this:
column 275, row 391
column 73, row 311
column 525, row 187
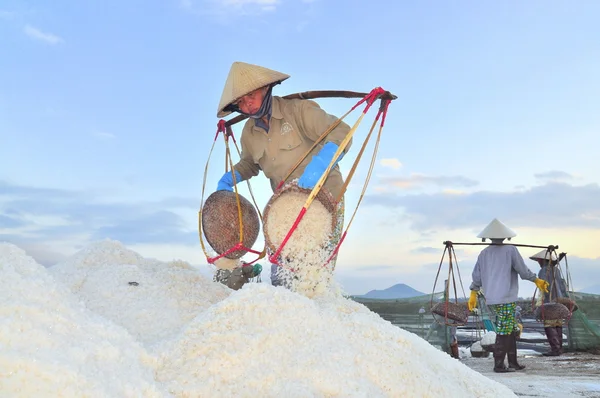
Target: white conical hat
column 544, row 255
column 244, row 78
column 496, row 230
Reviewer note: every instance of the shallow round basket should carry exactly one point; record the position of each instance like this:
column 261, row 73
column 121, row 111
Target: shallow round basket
column 489, row 347
column 480, row 354
column 456, row 312
column 551, row 311
column 569, row 303
column 221, row 226
column 324, row 197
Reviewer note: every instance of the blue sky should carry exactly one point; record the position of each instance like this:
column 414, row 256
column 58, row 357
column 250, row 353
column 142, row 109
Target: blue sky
column 108, row 111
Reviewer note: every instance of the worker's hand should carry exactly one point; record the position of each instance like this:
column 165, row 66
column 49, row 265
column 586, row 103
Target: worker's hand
column 541, row 284
column 317, row 166
column 238, row 278
column 226, row 182
column 472, row 300
column 520, row 326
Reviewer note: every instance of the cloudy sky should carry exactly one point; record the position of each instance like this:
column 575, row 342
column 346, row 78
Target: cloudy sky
column 108, row 111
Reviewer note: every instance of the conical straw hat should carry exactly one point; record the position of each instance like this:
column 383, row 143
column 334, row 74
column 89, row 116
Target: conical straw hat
column 544, row 255
column 244, row 78
column 496, row 230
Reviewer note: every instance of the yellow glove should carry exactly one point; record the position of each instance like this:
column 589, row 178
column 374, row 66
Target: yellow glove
column 520, row 329
column 541, row 284
column 472, row 300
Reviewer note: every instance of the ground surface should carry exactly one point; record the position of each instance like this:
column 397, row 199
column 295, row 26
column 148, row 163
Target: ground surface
column 569, row 375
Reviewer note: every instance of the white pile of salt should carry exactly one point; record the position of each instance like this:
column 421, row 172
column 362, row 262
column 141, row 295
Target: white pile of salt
column 257, row 341
column 151, row 299
column 50, row 345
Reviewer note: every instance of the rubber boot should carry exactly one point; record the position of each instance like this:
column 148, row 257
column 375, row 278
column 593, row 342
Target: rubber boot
column 500, row 350
column 454, row 350
column 559, row 333
column 512, row 353
column 553, row 340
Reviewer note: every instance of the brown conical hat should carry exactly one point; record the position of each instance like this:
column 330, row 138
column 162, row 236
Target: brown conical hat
column 244, row 78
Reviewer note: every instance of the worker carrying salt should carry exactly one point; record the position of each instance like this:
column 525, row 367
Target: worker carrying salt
column 550, row 272
column 278, row 133
column 496, row 271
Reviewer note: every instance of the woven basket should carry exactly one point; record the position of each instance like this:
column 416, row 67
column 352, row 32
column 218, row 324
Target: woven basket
column 324, row 197
column 551, row 311
column 480, row 354
column 456, row 312
column 220, row 222
column 567, row 302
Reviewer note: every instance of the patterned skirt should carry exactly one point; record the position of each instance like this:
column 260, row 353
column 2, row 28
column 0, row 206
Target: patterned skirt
column 506, row 322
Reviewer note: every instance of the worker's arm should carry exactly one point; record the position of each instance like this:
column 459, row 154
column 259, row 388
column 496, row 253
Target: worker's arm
column 315, row 121
column 519, row 265
column 476, row 276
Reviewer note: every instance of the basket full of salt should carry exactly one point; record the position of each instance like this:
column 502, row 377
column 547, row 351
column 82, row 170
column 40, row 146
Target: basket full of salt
column 455, row 312
column 221, row 223
column 314, row 229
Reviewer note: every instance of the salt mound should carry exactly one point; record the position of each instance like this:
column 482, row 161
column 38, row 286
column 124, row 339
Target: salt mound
column 488, row 339
column 74, row 269
column 149, row 298
column 270, row 342
column 52, row 346
column 202, row 338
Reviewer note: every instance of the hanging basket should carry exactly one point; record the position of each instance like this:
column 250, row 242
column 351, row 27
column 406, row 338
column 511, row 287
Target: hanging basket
column 477, row 351
column 275, row 232
column 221, row 225
column 552, row 311
column 567, row 302
column 456, row 312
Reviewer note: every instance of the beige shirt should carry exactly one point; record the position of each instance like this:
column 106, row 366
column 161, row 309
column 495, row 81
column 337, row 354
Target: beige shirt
column 294, row 126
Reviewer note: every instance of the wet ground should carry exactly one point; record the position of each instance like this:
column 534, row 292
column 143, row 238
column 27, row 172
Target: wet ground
column 568, row 375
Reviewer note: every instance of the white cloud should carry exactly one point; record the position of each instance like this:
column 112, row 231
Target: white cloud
column 37, row 34
column 392, row 163
column 543, row 206
column 5, row 14
column 229, row 7
column 554, row 176
column 104, row 135
column 416, row 180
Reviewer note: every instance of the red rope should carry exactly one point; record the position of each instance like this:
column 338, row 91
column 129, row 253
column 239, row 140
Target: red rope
column 273, row 258
column 220, row 128
column 238, row 246
column 370, row 99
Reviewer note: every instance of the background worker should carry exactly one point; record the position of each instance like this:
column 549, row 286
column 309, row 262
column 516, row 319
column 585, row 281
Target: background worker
column 497, row 270
column 558, row 288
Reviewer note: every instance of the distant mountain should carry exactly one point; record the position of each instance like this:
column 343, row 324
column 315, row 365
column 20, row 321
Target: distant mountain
column 394, row 292
column 591, row 289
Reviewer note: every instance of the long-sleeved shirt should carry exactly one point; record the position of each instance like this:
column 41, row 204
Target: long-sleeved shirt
column 497, row 270
column 557, row 286
column 293, row 128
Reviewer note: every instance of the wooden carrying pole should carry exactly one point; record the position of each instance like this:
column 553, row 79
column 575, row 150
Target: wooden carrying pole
column 318, row 94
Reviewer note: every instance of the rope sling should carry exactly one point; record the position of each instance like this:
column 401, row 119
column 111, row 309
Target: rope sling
column 224, row 128
column 554, row 298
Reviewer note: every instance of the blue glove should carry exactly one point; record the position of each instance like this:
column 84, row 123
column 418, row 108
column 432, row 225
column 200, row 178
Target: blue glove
column 317, row 166
column 226, row 182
